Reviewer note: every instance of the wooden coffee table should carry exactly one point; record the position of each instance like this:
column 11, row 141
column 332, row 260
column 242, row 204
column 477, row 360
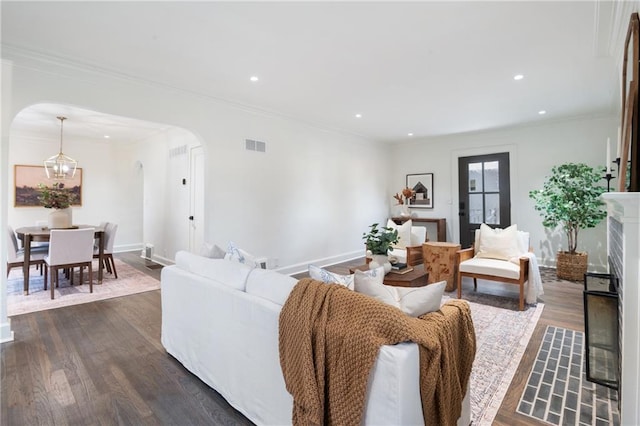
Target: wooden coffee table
column 415, row 278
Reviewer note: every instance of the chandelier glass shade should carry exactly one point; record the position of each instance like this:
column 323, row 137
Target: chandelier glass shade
column 60, row 166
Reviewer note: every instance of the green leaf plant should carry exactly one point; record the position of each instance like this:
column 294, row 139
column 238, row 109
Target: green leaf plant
column 570, row 198
column 380, row 240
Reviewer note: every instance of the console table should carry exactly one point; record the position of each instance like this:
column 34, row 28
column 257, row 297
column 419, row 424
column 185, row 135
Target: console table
column 440, row 222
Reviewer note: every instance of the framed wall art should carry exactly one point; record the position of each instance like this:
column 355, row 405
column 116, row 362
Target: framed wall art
column 27, row 178
column 422, row 185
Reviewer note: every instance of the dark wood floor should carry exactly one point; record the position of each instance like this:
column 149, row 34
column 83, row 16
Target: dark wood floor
column 103, row 363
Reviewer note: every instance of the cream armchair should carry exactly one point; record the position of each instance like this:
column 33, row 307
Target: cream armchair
column 504, row 256
column 409, row 247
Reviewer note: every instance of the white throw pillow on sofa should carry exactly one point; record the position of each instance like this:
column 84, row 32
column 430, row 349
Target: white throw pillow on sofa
column 325, row 276
column 212, row 251
column 236, row 254
column 413, row 301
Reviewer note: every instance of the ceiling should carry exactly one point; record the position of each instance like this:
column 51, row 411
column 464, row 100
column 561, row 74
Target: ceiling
column 427, row 68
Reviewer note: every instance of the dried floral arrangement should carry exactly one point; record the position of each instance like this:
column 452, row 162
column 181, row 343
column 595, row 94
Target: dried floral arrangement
column 404, row 195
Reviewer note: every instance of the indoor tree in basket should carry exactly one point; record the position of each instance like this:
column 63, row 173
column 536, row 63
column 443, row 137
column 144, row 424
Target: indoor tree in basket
column 570, row 198
column 59, row 199
column 378, row 241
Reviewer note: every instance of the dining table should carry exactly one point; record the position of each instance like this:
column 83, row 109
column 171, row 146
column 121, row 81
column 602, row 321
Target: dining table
column 30, row 234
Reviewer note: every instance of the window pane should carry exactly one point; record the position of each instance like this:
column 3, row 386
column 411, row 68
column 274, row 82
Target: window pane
column 475, row 177
column 491, row 176
column 492, row 209
column 475, row 208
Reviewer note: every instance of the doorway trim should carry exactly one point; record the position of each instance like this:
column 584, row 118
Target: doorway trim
column 469, row 152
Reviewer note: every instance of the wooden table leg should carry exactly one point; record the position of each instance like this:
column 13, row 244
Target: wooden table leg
column 100, row 255
column 27, row 262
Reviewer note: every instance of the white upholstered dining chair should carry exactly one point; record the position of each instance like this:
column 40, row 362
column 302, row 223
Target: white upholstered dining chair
column 15, row 255
column 109, row 237
column 69, row 248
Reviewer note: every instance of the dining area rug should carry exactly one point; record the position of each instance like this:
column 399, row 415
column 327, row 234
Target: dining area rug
column 502, row 335
column 129, row 281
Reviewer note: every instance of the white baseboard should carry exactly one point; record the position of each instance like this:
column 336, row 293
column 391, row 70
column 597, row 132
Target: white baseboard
column 327, row 261
column 6, row 334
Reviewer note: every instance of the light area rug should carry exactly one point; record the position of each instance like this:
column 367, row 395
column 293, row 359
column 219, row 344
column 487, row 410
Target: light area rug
column 129, row 281
column 502, row 335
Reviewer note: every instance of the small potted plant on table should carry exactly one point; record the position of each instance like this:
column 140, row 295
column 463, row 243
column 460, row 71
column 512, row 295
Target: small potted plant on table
column 378, row 241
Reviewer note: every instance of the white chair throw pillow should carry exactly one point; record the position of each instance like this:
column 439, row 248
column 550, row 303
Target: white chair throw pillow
column 404, row 233
column 499, row 244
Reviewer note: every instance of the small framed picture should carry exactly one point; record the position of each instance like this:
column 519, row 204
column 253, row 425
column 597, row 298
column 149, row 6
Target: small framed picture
column 422, row 186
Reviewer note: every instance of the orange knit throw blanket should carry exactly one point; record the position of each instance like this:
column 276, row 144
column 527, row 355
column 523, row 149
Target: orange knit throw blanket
column 329, row 338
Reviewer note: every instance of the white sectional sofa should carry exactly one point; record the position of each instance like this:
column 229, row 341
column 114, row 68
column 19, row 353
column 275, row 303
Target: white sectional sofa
column 220, row 320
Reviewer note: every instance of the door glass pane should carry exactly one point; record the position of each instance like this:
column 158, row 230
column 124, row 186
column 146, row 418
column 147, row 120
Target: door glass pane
column 491, row 176
column 475, row 208
column 475, row 177
column 492, row 209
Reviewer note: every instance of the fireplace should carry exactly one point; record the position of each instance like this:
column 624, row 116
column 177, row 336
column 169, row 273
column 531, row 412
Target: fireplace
column 623, row 245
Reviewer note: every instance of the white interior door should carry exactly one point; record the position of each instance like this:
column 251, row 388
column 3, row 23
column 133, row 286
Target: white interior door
column 196, row 204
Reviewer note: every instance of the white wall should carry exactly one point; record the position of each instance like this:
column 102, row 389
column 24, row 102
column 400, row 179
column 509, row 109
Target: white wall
column 307, row 199
column 533, row 151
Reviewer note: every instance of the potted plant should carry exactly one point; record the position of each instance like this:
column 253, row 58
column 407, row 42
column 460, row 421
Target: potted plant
column 378, row 241
column 570, row 198
column 58, row 198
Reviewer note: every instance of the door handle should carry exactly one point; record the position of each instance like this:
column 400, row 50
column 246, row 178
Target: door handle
column 190, row 217
column 461, row 208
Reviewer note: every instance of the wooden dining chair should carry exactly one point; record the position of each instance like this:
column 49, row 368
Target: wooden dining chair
column 109, row 237
column 69, row 248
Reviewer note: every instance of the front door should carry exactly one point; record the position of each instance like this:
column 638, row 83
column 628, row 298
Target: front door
column 484, row 194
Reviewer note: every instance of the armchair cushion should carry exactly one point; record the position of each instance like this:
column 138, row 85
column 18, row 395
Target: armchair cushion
column 495, row 267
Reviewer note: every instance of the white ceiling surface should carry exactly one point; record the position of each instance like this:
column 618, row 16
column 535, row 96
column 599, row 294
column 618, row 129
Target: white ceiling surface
column 430, row 68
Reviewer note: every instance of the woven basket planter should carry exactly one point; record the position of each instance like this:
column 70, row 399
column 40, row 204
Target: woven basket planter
column 571, row 267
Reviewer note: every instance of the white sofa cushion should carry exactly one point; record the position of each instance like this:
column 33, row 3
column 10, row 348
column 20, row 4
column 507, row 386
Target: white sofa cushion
column 500, row 268
column 270, row 285
column 232, row 274
column 413, row 301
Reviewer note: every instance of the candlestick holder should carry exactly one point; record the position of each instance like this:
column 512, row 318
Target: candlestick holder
column 608, row 177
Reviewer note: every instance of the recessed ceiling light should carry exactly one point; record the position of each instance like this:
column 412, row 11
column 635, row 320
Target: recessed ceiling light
column 542, row 112
column 358, row 115
column 254, row 78
column 518, row 77
column 107, row 136
column 409, row 134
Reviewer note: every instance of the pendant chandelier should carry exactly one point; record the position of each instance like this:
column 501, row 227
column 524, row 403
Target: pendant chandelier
column 60, row 167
